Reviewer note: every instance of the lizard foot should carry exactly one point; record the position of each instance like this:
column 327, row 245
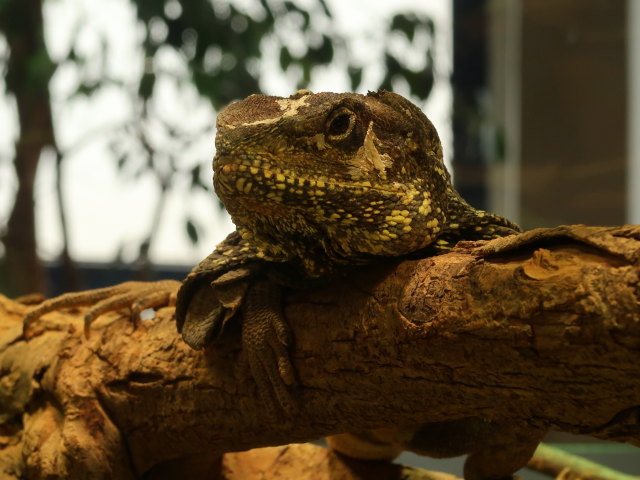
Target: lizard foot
column 202, row 314
column 137, row 296
column 266, row 339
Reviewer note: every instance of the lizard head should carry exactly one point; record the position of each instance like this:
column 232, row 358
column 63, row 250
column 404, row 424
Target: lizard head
column 327, row 179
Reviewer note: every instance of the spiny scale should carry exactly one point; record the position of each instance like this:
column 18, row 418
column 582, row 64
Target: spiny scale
column 326, row 180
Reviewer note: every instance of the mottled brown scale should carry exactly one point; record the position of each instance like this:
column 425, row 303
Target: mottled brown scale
column 326, row 180
column 315, row 183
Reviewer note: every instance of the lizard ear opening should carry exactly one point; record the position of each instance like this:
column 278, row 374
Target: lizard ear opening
column 340, row 124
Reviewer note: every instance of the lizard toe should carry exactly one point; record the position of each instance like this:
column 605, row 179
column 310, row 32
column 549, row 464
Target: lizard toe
column 272, row 389
column 265, row 341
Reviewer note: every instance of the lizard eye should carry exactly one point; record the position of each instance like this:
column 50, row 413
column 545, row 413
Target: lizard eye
column 340, row 124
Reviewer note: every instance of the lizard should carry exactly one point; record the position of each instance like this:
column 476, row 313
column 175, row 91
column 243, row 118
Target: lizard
column 316, row 184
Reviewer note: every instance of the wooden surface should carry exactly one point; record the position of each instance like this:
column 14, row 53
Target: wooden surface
column 542, row 329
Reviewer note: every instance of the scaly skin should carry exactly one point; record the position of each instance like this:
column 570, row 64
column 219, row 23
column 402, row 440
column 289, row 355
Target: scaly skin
column 317, row 184
column 326, row 180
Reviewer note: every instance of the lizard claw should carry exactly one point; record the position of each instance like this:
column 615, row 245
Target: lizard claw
column 266, row 340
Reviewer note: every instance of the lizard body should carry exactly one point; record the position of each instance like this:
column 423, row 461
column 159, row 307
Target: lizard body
column 317, row 184
column 325, row 180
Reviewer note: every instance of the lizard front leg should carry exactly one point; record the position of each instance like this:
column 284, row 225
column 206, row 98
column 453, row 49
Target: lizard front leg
column 232, row 281
column 266, row 341
column 206, row 307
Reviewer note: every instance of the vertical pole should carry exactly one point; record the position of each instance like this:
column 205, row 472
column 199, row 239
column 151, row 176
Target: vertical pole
column 633, row 111
column 513, row 106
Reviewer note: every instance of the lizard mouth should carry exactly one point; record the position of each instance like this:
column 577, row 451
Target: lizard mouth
column 235, row 177
column 258, row 206
column 345, row 218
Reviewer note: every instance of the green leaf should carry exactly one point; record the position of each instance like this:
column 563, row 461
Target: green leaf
column 122, row 159
column 393, row 66
column 143, row 250
column 420, row 82
column 192, row 231
column 86, row 89
column 322, row 54
column 406, row 24
column 431, row 26
column 147, row 82
column 325, row 7
column 196, row 181
column 291, row 7
column 73, row 56
column 306, row 76
column 285, row 58
column 40, row 69
column 119, row 257
column 355, row 75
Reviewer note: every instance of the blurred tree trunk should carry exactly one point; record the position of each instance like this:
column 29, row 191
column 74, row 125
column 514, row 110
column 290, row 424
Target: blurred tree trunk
column 28, row 74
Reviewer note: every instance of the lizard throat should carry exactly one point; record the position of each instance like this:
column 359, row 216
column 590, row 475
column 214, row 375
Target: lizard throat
column 321, row 223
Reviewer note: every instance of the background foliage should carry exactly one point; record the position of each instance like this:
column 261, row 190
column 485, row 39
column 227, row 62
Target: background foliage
column 216, row 48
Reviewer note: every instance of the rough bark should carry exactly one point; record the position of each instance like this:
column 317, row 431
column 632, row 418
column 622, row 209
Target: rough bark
column 541, row 328
column 311, row 462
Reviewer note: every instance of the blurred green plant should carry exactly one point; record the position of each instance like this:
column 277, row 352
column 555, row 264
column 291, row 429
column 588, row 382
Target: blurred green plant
column 220, row 48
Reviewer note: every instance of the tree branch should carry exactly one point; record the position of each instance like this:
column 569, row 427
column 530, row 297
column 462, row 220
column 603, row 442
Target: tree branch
column 564, row 466
column 311, row 462
column 540, row 329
